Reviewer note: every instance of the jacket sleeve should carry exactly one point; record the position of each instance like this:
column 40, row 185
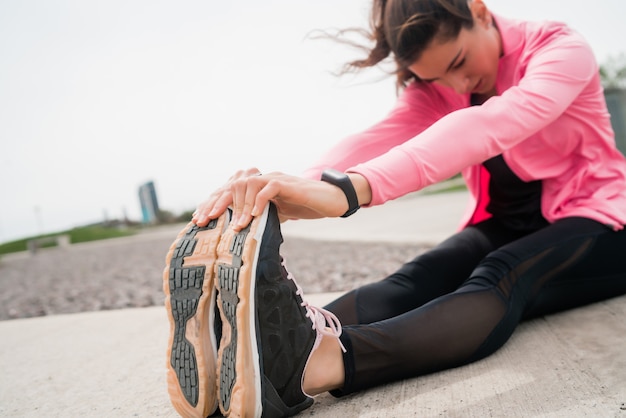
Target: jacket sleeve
column 414, row 111
column 555, row 74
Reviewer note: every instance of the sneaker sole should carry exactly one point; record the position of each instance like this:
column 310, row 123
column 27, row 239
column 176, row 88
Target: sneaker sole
column 238, row 359
column 188, row 283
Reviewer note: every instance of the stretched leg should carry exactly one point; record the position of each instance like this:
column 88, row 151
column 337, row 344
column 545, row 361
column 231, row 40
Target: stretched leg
column 269, row 332
column 479, row 317
column 428, row 276
column 597, row 277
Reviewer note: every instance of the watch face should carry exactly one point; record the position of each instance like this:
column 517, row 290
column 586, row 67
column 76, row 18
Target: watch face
column 333, row 175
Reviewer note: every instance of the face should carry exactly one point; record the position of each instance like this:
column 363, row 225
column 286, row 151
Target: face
column 469, row 63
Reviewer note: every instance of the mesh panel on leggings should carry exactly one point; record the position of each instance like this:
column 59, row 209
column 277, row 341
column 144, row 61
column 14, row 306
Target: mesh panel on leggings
column 424, row 278
column 460, row 327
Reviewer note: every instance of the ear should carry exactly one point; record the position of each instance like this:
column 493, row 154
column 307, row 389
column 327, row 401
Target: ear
column 480, row 13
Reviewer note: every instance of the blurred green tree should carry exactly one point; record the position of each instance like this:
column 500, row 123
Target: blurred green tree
column 613, row 72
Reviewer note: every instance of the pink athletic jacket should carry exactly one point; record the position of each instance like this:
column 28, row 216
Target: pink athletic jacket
column 549, row 121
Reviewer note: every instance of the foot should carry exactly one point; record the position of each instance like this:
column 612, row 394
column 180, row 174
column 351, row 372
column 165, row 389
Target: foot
column 188, row 283
column 269, row 332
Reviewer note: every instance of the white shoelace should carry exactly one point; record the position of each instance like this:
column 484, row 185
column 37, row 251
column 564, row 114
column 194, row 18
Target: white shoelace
column 324, row 322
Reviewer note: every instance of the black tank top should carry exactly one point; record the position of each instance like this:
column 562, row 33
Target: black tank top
column 514, row 202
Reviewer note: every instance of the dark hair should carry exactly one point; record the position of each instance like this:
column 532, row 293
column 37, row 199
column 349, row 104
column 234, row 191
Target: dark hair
column 405, row 28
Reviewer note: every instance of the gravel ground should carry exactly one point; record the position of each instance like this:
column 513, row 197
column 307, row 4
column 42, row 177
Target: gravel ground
column 127, row 272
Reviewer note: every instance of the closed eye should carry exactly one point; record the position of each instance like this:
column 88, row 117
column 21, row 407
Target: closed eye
column 459, row 64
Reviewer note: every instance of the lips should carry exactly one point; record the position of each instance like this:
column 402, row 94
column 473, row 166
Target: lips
column 478, row 86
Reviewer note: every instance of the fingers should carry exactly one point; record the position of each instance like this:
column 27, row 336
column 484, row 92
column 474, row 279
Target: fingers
column 246, row 202
column 207, row 209
column 248, row 192
column 212, row 208
column 218, row 201
column 270, row 191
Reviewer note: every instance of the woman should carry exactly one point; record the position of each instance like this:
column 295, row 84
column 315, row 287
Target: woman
column 518, row 108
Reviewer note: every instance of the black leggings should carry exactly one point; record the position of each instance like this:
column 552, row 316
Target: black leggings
column 462, row 300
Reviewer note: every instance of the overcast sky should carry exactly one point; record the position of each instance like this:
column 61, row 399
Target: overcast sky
column 98, row 97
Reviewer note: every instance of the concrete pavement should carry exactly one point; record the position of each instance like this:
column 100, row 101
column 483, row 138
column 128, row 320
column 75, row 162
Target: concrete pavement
column 415, row 218
column 112, row 363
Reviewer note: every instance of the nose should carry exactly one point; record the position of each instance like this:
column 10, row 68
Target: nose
column 460, row 83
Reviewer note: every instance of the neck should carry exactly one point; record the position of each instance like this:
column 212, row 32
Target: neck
column 480, row 98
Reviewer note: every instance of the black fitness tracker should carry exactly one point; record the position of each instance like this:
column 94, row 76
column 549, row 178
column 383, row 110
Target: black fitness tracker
column 341, row 180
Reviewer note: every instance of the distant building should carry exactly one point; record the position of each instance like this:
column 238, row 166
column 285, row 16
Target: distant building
column 149, row 203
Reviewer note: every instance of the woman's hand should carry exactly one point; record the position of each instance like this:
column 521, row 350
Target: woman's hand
column 220, row 199
column 295, row 198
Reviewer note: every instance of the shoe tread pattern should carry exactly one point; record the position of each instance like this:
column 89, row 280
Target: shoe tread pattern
column 185, row 284
column 228, row 284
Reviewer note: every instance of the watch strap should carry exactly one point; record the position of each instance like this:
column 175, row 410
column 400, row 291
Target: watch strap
column 341, row 180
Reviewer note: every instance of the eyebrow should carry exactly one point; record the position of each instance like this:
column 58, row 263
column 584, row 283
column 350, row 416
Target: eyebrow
column 429, row 80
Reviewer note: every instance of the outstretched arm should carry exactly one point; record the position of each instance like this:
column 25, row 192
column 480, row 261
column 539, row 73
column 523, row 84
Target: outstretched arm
column 295, row 197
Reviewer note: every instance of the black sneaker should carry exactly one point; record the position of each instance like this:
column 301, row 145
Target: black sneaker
column 269, row 332
column 189, row 286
